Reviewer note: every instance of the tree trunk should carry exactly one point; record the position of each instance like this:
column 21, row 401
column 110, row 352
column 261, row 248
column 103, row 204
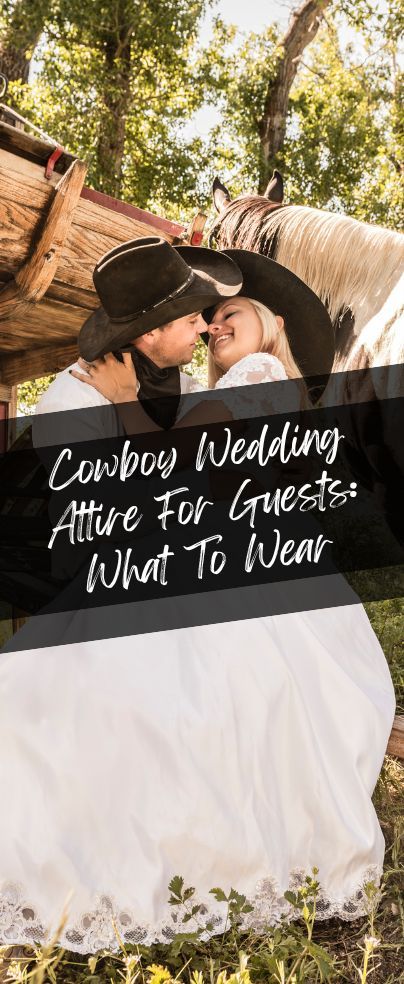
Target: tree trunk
column 302, row 29
column 116, row 98
column 20, row 37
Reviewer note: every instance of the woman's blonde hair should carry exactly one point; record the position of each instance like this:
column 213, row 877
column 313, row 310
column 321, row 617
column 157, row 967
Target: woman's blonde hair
column 274, row 340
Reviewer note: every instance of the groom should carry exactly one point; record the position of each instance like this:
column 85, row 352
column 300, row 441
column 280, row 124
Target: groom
column 151, row 294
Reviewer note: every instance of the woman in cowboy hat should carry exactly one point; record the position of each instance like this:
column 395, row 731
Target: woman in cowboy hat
column 278, row 329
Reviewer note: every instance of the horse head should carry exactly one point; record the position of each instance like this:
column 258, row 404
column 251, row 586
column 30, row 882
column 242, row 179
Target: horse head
column 273, row 192
column 233, row 211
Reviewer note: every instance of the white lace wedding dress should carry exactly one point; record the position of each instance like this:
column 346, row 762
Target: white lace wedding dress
column 238, row 754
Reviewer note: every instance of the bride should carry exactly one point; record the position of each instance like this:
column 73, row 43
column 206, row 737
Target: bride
column 238, row 754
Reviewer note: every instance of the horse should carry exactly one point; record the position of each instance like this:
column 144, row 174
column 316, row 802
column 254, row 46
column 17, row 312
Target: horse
column 355, row 269
column 351, row 265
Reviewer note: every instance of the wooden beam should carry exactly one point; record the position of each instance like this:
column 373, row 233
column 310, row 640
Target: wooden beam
column 32, row 173
column 12, row 416
column 5, row 393
column 35, row 149
column 47, row 323
column 396, row 740
column 21, row 366
column 166, row 226
column 36, row 274
column 94, row 230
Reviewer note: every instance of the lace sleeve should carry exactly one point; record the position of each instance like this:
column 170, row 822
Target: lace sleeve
column 261, row 367
column 244, row 400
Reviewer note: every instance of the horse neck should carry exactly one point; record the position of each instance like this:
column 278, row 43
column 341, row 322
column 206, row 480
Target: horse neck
column 349, row 264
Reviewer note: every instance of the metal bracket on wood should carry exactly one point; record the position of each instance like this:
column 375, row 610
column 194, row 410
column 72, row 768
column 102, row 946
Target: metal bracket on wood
column 194, row 233
column 36, row 274
column 50, row 164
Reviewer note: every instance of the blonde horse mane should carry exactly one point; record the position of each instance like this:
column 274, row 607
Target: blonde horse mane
column 346, row 262
column 381, row 341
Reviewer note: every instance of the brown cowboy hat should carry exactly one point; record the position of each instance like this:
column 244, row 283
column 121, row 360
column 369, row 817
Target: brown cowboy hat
column 146, row 283
column 307, row 322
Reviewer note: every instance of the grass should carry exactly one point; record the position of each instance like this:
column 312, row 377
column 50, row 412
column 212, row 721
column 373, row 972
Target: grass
column 387, row 620
column 367, row 951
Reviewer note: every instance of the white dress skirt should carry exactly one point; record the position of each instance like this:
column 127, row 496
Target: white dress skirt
column 238, row 754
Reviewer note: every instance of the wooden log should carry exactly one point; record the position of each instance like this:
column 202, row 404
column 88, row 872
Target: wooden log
column 8, row 415
column 85, row 300
column 27, row 167
column 396, row 741
column 94, row 208
column 35, row 275
column 47, row 323
column 32, row 148
column 34, row 177
column 166, row 227
column 21, row 366
column 82, row 301
column 94, row 231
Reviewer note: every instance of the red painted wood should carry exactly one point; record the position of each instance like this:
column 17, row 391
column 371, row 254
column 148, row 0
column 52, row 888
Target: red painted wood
column 3, row 426
column 50, row 164
column 172, row 228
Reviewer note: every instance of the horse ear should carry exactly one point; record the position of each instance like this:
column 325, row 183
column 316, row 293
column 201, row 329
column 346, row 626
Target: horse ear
column 274, row 191
column 220, row 194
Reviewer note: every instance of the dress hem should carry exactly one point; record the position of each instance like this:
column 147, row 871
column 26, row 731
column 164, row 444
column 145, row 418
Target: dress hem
column 107, row 924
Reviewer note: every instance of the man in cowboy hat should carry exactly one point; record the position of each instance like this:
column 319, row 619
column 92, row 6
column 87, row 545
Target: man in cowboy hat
column 152, row 295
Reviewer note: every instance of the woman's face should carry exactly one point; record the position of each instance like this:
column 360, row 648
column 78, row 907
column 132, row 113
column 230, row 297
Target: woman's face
column 235, row 331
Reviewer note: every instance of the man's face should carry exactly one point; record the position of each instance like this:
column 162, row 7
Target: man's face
column 173, row 344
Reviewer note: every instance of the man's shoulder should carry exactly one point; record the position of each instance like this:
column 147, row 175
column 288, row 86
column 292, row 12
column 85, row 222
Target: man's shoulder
column 92, row 416
column 68, row 393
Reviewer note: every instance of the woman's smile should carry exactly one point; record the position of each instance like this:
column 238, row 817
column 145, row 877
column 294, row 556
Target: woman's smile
column 235, row 331
column 221, row 339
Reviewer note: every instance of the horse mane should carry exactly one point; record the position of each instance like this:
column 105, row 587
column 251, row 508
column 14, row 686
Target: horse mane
column 381, row 342
column 349, row 264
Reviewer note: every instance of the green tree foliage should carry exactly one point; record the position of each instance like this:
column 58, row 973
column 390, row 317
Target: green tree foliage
column 343, row 150
column 30, row 392
column 115, row 84
column 344, row 136
column 238, row 72
column 21, row 25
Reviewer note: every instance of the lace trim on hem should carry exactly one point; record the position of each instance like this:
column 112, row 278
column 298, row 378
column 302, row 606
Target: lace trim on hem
column 20, row 923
